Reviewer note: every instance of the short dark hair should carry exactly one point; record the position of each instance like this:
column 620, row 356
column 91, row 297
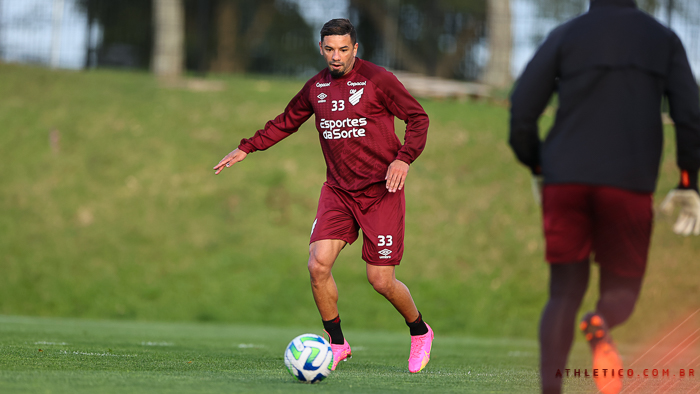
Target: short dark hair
column 339, row 27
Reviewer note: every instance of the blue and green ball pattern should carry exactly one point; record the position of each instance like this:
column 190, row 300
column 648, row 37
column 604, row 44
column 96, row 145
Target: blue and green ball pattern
column 309, row 358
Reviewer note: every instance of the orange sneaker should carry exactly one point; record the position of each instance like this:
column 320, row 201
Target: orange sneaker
column 606, row 359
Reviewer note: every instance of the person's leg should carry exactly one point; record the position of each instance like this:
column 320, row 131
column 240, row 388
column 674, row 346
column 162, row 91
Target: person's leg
column 622, row 237
column 383, row 227
column 322, row 255
column 618, row 296
column 622, row 232
column 383, row 279
column 381, row 216
column 567, row 220
column 333, row 228
column 567, row 286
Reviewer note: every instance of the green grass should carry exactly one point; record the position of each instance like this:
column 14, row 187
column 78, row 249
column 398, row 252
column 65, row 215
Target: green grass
column 59, row 355
column 124, row 219
column 66, row 355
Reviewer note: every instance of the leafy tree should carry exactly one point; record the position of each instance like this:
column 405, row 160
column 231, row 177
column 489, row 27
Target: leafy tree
column 127, row 31
column 257, row 36
column 262, row 36
column 434, row 38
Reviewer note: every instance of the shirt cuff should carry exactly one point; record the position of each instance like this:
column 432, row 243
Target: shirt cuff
column 404, row 157
column 689, row 180
column 246, row 147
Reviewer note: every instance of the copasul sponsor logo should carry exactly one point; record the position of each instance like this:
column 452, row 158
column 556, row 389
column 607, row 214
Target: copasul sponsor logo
column 342, row 128
column 363, row 83
column 322, row 85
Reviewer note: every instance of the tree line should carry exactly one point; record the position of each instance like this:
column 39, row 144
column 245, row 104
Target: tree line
column 440, row 38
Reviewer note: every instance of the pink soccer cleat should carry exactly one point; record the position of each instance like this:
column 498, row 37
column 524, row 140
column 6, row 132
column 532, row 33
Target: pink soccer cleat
column 340, row 352
column 420, row 351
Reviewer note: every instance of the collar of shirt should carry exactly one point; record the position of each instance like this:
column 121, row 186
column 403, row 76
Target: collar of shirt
column 619, row 3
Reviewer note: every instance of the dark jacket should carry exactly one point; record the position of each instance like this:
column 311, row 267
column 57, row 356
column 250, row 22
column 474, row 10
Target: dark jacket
column 610, row 67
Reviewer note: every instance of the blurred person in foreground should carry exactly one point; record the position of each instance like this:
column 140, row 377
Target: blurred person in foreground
column 599, row 163
column 354, row 103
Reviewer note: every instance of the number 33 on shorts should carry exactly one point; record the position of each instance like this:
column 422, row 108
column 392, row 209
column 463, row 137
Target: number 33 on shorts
column 385, row 240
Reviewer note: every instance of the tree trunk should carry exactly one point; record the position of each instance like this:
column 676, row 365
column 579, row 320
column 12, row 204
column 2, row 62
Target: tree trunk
column 449, row 62
column 168, row 51
column 203, row 36
column 500, row 40
column 226, row 37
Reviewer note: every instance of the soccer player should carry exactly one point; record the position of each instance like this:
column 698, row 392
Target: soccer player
column 611, row 68
column 354, row 103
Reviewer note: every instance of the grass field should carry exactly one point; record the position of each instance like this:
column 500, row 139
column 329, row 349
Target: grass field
column 137, row 357
column 51, row 355
column 109, row 210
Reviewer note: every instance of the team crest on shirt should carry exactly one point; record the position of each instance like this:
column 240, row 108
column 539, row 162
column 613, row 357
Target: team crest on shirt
column 355, row 95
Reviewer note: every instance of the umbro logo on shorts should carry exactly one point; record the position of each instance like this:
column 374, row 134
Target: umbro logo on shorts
column 385, row 254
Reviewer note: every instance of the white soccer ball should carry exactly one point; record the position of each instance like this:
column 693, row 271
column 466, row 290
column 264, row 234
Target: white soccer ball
column 309, row 358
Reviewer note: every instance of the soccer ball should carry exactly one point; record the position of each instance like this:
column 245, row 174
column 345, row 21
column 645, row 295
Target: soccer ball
column 309, row 358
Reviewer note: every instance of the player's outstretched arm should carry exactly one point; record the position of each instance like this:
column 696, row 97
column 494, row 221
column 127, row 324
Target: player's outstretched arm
column 232, row 158
column 396, row 175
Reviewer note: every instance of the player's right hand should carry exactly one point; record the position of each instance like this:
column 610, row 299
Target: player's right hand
column 688, row 200
column 232, row 158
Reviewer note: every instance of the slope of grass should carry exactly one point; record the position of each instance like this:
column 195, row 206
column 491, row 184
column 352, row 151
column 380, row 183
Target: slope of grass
column 119, row 216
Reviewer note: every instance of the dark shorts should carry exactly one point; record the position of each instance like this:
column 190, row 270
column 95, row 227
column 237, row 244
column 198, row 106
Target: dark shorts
column 377, row 212
column 613, row 224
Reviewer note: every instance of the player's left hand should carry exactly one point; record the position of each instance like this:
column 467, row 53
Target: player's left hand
column 689, row 218
column 396, row 175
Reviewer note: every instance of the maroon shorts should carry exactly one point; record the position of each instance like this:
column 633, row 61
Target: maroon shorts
column 614, row 224
column 377, row 212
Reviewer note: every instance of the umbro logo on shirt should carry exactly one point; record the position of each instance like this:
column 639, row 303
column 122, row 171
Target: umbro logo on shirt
column 322, row 97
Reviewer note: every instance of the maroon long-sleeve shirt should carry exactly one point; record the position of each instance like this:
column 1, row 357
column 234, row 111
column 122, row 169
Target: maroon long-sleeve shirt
column 355, row 122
